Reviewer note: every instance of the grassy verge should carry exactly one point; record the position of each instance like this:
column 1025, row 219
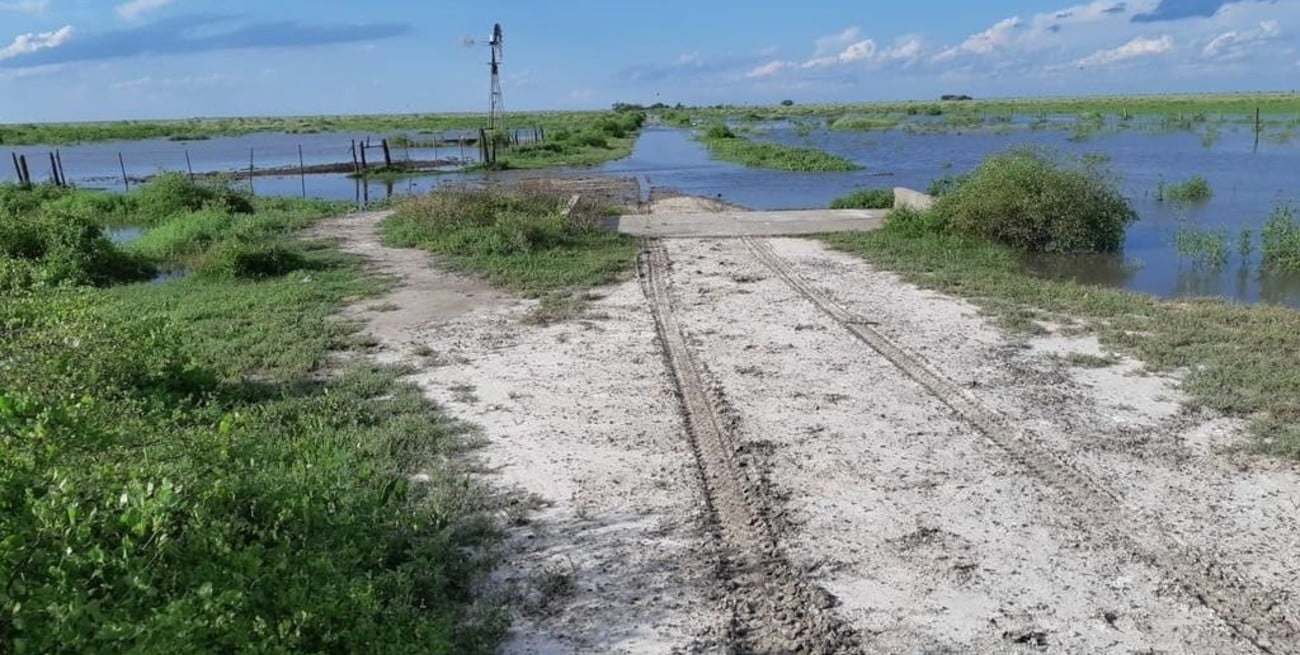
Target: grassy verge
column 1240, row 360
column 520, row 240
column 726, row 145
column 179, row 472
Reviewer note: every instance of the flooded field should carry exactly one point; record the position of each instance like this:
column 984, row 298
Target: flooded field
column 1247, row 184
column 1248, row 180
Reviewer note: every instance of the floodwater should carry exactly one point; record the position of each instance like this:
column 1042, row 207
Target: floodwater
column 1248, row 185
column 1249, row 182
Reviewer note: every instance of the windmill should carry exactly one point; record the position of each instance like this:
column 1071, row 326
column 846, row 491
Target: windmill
column 496, row 113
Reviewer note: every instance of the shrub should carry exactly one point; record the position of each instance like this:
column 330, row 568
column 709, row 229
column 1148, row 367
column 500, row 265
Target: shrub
column 172, row 193
column 787, row 103
column 865, row 199
column 238, row 259
column 47, row 247
column 1195, row 189
column 591, row 140
column 1031, row 200
column 718, row 131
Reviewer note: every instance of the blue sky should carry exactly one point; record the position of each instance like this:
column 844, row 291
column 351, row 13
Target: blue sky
column 111, row 59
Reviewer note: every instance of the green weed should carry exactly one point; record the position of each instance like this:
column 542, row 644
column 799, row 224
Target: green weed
column 1194, row 189
column 865, row 199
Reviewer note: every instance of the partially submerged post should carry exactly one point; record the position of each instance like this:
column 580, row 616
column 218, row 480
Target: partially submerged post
column 18, row 169
column 302, row 171
column 126, row 183
column 188, row 166
column 54, row 171
column 58, row 160
column 388, row 155
column 251, row 189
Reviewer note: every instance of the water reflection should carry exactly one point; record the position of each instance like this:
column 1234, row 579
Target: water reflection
column 1095, row 269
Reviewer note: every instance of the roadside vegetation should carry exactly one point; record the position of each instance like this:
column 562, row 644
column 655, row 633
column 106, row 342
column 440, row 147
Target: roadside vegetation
column 865, row 199
column 186, row 466
column 1239, row 360
column 726, row 145
column 528, row 240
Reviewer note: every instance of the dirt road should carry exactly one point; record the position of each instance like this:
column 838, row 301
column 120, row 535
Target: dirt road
column 759, row 445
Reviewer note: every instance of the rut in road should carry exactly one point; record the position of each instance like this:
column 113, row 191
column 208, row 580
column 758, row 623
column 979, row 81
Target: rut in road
column 774, row 609
column 1258, row 617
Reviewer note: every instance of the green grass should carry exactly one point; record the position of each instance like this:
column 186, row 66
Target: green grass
column 1191, row 190
column 864, row 123
column 723, row 144
column 518, row 240
column 865, row 199
column 1240, row 360
column 181, row 470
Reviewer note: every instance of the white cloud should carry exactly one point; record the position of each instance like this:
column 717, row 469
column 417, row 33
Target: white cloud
column 187, row 82
column 32, row 41
column 1235, row 43
column 768, row 70
column 991, row 40
column 1138, row 47
column 836, row 42
column 25, row 6
column 134, row 9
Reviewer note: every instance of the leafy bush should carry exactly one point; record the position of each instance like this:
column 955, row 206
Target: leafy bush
column 240, row 259
column 51, row 247
column 1195, row 189
column 591, row 140
column 718, row 131
column 171, row 193
column 865, row 199
column 1032, row 200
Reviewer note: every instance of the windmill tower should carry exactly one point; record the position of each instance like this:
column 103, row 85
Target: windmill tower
column 496, row 113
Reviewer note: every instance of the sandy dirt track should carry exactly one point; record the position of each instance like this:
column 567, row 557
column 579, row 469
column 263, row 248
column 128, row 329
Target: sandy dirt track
column 761, row 445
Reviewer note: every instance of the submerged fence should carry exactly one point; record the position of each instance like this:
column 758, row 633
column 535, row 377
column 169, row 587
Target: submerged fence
column 266, row 155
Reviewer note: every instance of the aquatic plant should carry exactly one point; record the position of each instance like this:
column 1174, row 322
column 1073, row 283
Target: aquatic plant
column 1280, row 241
column 1194, row 189
column 1204, row 247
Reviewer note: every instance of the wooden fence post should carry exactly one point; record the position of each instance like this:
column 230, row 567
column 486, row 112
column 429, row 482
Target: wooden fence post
column 54, row 171
column 18, row 170
column 58, row 159
column 189, row 166
column 364, row 165
column 302, row 171
column 356, row 165
column 388, row 155
column 251, row 189
column 126, row 183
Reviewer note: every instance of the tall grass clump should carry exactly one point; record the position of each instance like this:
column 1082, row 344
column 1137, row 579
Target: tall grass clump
column 1034, row 200
column 520, row 239
column 1280, row 241
column 865, row 199
column 1194, row 189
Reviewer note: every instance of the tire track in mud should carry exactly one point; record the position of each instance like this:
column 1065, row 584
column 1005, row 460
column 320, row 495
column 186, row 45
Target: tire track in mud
column 1260, row 618
column 773, row 608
